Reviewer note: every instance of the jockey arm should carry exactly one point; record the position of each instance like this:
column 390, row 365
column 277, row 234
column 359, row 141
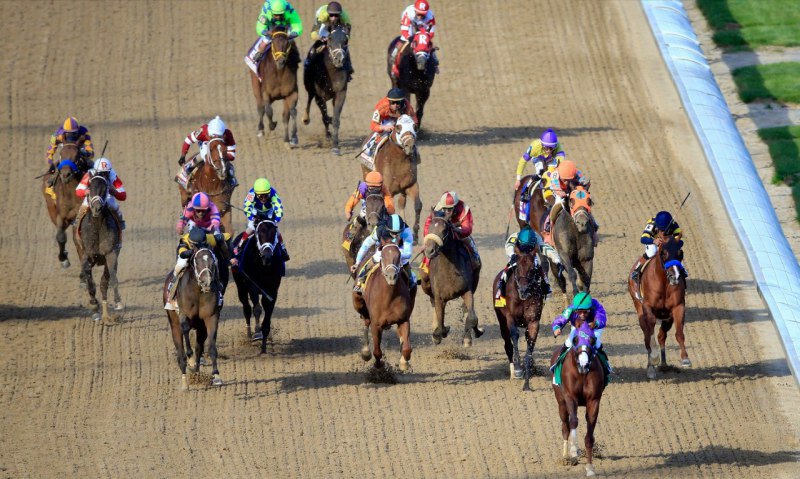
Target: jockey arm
column 194, row 137
column 599, row 315
column 413, row 114
column 366, row 245
column 381, row 112
column 464, row 224
column 295, row 23
column 388, row 201
column 358, row 195
column 277, row 205
column 408, row 245
column 535, row 152
column 83, row 187
column 230, row 144
column 561, row 321
column 118, row 189
column 427, row 224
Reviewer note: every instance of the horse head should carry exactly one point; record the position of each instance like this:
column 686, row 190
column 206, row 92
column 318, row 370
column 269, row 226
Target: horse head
column 214, row 153
column 374, row 209
column 583, row 346
column 204, row 264
column 98, row 189
column 422, row 47
column 67, row 169
column 670, row 254
column 337, row 46
column 527, row 275
column 405, row 134
column 390, row 261
column 280, row 46
column 267, row 240
column 439, row 232
column 580, row 207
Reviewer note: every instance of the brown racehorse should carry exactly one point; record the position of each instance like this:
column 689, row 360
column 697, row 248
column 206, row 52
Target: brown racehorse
column 211, row 178
column 199, row 307
column 375, row 211
column 573, row 231
column 582, row 384
column 663, row 290
column 524, row 304
column 64, row 208
column 417, row 70
column 450, row 276
column 278, row 71
column 325, row 79
column 397, row 161
column 387, row 300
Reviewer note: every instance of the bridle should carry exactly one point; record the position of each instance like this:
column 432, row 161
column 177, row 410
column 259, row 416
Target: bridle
column 206, row 271
column 97, row 201
column 377, row 215
column 217, row 143
column 266, row 249
column 532, row 286
column 392, row 269
column 278, row 55
column 338, row 53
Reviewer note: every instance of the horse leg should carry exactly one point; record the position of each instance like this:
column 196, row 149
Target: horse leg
column 401, row 203
column 678, row 314
column 112, row 262
column 338, row 104
column 566, row 261
column 244, row 298
column 441, row 330
column 290, row 119
column 563, row 413
column 326, row 120
column 306, row 117
column 506, row 328
column 470, row 319
column 422, row 98
column 365, row 352
column 61, row 239
column 647, row 323
column 572, row 410
column 258, row 314
column 404, row 334
column 268, row 112
column 104, row 293
column 666, row 325
column 531, row 333
column 185, row 328
column 86, row 268
column 201, row 334
column 592, row 410
column 413, row 192
column 180, row 353
column 212, row 348
column 266, row 322
column 376, row 343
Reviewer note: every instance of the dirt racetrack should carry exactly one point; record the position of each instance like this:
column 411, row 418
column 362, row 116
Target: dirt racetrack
column 80, row 399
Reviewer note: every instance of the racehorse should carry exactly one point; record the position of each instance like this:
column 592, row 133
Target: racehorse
column 450, row 276
column 278, row 71
column 573, row 231
column 417, row 70
column 374, row 212
column 99, row 239
column 259, row 274
column 63, row 209
column 397, row 161
column 663, row 289
column 199, row 303
column 211, row 178
column 325, row 79
column 582, row 383
column 523, row 308
column 387, row 300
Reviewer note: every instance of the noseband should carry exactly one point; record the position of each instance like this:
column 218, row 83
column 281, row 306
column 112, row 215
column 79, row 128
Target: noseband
column 278, row 55
column 206, row 271
column 263, row 248
column 531, row 276
column 97, row 201
column 390, row 268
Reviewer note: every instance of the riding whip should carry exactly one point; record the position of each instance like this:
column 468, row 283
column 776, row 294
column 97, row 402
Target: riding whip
column 679, row 208
column 103, row 153
column 270, row 298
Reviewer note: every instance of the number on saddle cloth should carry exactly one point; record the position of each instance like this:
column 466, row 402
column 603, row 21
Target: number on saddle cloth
column 525, row 200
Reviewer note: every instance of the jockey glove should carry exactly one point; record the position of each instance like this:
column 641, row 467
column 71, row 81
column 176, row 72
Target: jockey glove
column 218, row 237
column 182, row 160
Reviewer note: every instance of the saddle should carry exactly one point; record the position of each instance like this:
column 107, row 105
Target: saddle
column 374, row 144
column 559, row 364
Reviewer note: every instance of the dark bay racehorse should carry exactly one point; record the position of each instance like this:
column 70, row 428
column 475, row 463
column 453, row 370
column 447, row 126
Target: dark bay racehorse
column 375, row 211
column 199, row 305
column 417, row 70
column 278, row 71
column 259, row 275
column 397, row 161
column 663, row 291
column 573, row 230
column 211, row 178
column 99, row 240
column 325, row 79
column 450, row 276
column 387, row 300
column 582, row 384
column 64, row 208
column 523, row 309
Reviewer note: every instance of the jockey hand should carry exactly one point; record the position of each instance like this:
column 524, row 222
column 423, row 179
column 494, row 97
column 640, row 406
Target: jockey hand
column 557, row 332
column 292, row 35
column 353, row 268
column 83, row 152
column 179, row 229
column 516, row 185
column 218, row 237
column 387, row 128
column 51, row 168
column 182, row 160
column 348, row 216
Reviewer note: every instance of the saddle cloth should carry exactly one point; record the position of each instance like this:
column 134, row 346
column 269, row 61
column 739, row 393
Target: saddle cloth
column 374, row 144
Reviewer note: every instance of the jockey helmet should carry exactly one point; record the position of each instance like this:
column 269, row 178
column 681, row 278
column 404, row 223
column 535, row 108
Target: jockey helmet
column 216, row 127
column 527, row 237
column 567, row 170
column 582, row 301
column 448, row 200
column 663, row 220
column 396, row 94
column 261, row 186
column 549, row 138
column 200, row 201
column 374, row 178
column 277, row 7
column 102, row 165
column 395, row 223
column 421, row 7
column 334, row 8
column 197, row 236
column 70, row 125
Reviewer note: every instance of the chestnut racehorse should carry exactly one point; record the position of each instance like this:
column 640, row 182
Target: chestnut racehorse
column 212, row 179
column 278, row 71
column 663, row 290
column 374, row 212
column 64, row 208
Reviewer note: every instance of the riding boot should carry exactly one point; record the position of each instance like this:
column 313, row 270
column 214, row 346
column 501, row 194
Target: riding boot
column 253, row 57
column 500, row 293
column 636, row 274
column 284, row 253
column 435, row 61
column 232, row 175
column 348, row 67
column 172, row 289
column 362, row 277
column 53, row 175
column 121, row 219
column 393, row 60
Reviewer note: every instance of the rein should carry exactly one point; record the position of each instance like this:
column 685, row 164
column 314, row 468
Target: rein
column 390, row 268
column 198, row 273
column 526, row 292
column 277, row 55
column 262, row 246
column 93, row 198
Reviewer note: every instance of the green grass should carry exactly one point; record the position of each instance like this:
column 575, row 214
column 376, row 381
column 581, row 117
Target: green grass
column 776, row 81
column 747, row 24
column 784, row 148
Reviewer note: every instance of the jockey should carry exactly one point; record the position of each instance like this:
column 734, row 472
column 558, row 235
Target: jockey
column 274, row 13
column 327, row 18
column 70, row 132
column 588, row 309
column 195, row 238
column 459, row 214
column 661, row 224
column 387, row 111
column 418, row 16
column 213, row 129
column 545, row 152
column 200, row 212
column 566, row 178
column 262, row 202
column 399, row 232
column 372, row 184
column 116, row 190
column 524, row 241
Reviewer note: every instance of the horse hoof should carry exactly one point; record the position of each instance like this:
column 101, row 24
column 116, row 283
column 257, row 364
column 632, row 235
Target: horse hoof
column 404, row 365
column 258, row 336
column 686, row 363
column 651, row 372
column 445, row 331
column 516, row 373
column 436, row 339
column 467, row 342
column 184, row 383
column 272, row 126
column 260, row 133
column 336, row 151
column 263, row 351
column 203, row 362
column 366, row 355
column 216, row 381
column 306, row 120
column 590, row 470
column 96, row 316
column 526, row 388
column 478, row 332
column 65, row 264
column 119, row 307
